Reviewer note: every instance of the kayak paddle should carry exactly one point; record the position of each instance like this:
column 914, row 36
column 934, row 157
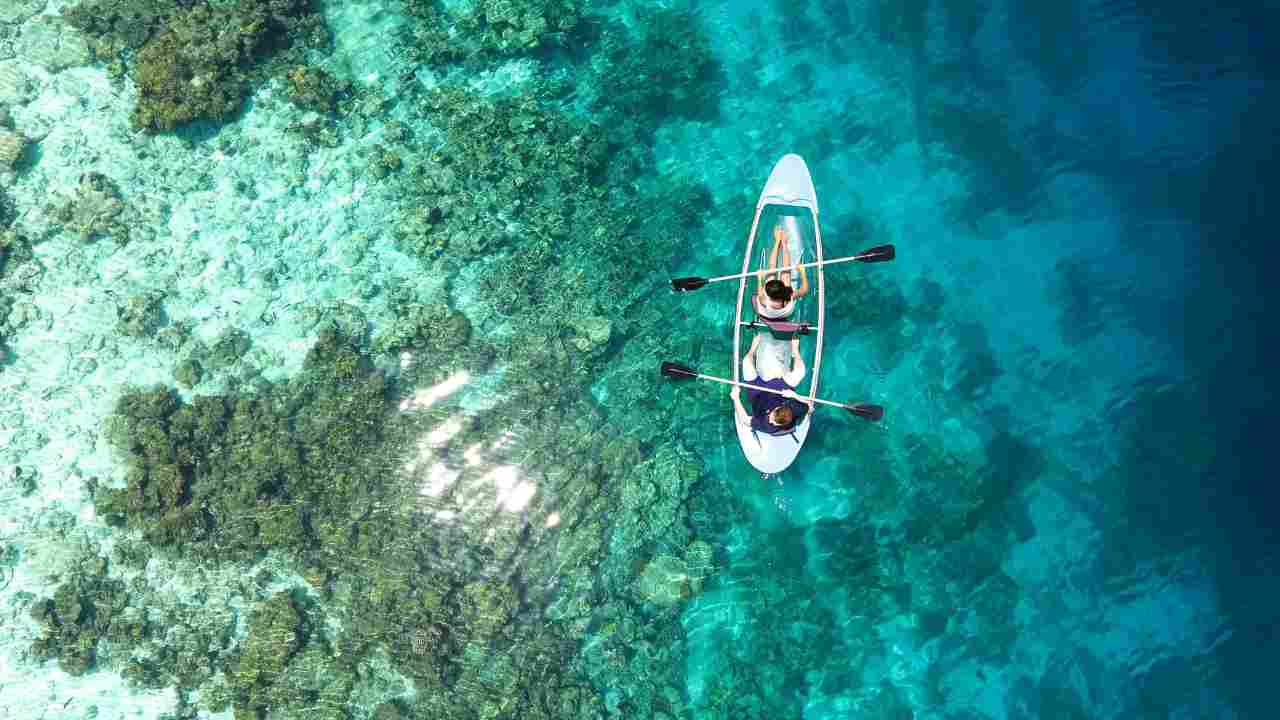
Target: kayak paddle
column 879, row 253
column 677, row 371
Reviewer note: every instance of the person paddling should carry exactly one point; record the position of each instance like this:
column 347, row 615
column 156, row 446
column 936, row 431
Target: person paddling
column 775, row 298
column 771, row 413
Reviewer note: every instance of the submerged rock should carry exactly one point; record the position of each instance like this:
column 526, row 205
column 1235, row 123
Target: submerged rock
column 665, row 581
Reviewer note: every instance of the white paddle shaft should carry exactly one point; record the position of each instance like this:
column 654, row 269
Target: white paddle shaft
column 785, row 268
column 726, row 381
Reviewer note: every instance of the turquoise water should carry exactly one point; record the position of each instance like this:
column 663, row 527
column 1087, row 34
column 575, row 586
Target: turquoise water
column 330, row 334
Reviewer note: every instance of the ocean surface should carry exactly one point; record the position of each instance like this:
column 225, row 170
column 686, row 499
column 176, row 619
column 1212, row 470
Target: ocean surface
column 330, row 337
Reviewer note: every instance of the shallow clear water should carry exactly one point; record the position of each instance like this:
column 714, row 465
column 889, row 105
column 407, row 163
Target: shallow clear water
column 400, row 274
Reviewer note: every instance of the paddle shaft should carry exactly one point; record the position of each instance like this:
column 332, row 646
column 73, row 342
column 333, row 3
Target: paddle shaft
column 833, row 261
column 725, row 381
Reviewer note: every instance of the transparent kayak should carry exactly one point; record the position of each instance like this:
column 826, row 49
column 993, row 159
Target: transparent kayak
column 788, row 203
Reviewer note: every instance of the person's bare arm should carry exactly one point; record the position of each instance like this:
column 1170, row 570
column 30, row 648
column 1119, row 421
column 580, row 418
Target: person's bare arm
column 763, row 275
column 787, row 260
column 804, row 283
column 779, row 245
column 740, row 413
column 786, row 263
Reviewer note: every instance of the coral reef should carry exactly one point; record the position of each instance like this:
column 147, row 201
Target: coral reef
column 167, row 441
column 653, row 494
column 311, row 88
column 191, row 69
column 114, row 27
column 1086, row 300
column 872, row 303
column 592, row 333
column 507, row 25
column 433, row 328
column 965, row 361
column 140, row 315
column 485, row 30
column 15, row 250
column 80, row 612
column 300, row 469
column 279, row 632
column 197, row 60
column 946, row 489
column 385, row 162
column 232, row 345
column 486, row 606
column 96, row 209
column 106, row 615
column 522, row 189
column 1008, row 173
column 505, row 160
column 188, row 373
column 18, row 273
column 11, row 146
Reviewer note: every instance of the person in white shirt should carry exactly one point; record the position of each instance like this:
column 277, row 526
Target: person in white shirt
column 775, row 298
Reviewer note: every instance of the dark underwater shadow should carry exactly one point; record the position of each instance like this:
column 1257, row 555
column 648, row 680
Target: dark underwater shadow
column 1226, row 189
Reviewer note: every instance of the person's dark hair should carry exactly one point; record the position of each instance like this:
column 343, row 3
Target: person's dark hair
column 777, row 290
column 786, row 416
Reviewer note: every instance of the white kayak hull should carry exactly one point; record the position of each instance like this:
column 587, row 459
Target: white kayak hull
column 789, row 203
column 771, row 454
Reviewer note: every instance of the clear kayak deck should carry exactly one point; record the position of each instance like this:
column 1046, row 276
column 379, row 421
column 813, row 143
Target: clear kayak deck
column 786, row 212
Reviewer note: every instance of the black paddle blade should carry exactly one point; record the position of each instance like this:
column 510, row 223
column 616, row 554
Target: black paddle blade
column 678, row 371
column 871, row 412
column 879, row 253
column 685, row 284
